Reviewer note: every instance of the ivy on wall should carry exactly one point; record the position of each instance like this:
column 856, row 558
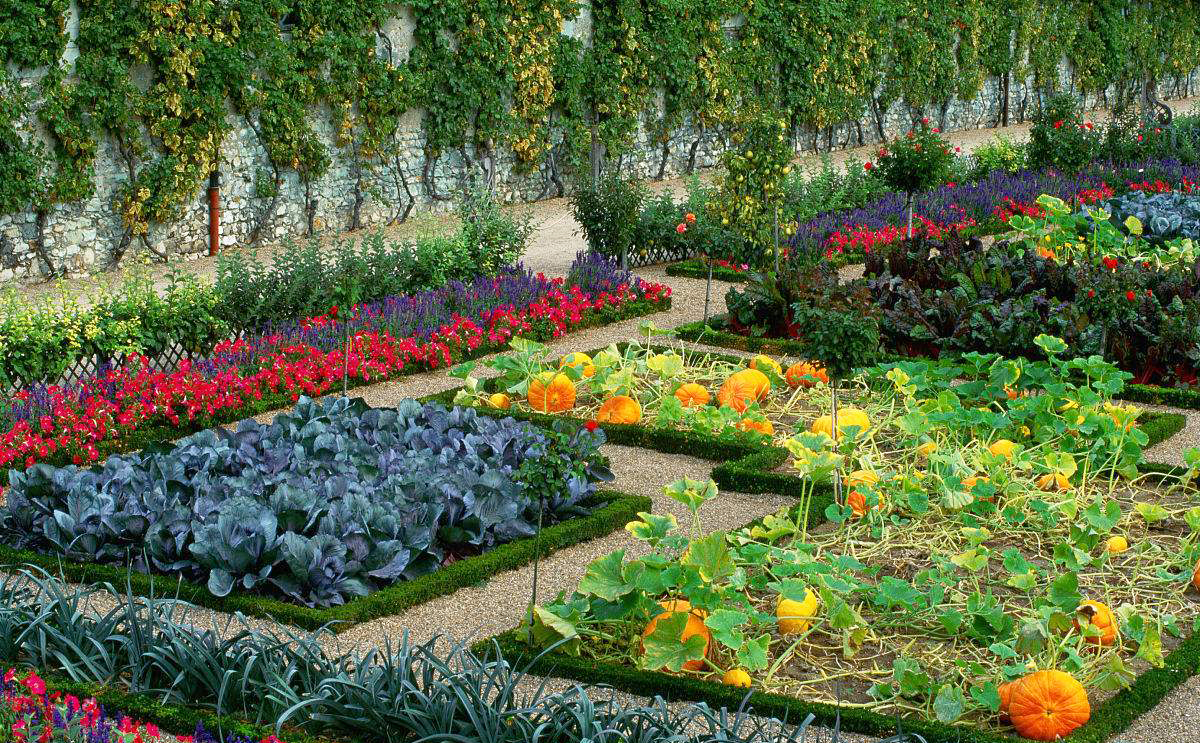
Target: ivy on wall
column 163, row 83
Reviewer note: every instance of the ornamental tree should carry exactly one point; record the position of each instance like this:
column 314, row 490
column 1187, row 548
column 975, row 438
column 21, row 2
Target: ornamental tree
column 916, row 162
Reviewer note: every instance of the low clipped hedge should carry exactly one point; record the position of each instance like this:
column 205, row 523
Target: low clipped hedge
column 1108, row 719
column 612, row 511
column 695, row 268
column 714, row 334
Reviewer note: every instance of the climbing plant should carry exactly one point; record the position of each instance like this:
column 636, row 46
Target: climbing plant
column 553, row 84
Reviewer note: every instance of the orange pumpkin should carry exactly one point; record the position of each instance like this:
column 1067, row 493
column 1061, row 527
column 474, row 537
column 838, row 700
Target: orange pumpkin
column 1054, row 481
column 620, row 409
column 580, row 361
column 695, row 626
column 743, row 388
column 692, row 395
column 1005, row 691
column 1099, row 616
column 1196, row 576
column 856, row 499
column 762, row 363
column 763, row 426
column 805, row 374
column 1048, row 705
column 550, row 392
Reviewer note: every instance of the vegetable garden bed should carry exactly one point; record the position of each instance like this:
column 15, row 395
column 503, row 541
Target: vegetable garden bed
column 911, row 612
column 355, row 512
column 717, row 333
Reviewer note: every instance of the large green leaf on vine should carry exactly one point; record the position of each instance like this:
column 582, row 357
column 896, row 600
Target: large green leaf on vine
column 605, row 577
column 711, row 556
column 665, row 649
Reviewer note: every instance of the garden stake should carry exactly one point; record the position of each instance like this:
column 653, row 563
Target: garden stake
column 776, row 228
column 707, row 292
column 537, row 558
column 837, row 479
column 346, row 363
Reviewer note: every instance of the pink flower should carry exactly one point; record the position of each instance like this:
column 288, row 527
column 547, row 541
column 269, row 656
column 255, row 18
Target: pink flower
column 867, row 165
column 682, row 228
column 152, row 730
column 35, row 684
column 1058, row 124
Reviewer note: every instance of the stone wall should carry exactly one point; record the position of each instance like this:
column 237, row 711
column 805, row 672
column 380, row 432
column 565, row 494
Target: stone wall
column 81, row 237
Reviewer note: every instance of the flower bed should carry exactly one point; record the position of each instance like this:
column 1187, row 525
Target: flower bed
column 847, row 235
column 30, row 711
column 957, row 561
column 1100, row 286
column 330, row 502
column 135, row 404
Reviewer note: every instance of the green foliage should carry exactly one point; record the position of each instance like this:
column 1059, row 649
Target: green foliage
column 608, row 211
column 308, row 280
column 1060, row 137
column 41, row 339
column 915, row 162
column 998, row 154
column 155, row 77
column 750, row 188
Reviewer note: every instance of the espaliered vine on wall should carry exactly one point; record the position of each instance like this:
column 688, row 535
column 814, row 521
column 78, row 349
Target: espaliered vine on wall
column 162, row 83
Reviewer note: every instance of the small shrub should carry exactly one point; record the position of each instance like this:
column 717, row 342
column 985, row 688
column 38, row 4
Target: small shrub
column 1000, row 154
column 1061, row 138
column 750, row 197
column 608, row 212
column 916, row 162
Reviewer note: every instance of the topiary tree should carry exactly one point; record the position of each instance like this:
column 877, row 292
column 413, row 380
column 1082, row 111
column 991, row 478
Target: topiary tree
column 916, row 162
column 841, row 332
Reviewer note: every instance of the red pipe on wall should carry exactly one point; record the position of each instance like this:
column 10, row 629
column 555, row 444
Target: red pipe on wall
column 214, row 213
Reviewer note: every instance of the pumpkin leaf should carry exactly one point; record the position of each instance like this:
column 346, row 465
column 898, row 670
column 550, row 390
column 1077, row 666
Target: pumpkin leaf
column 1151, row 512
column 691, row 493
column 652, row 527
column 663, row 646
column 710, row 555
column 1064, row 592
column 1115, row 675
column 753, row 654
column 972, row 560
column 1048, row 343
column 605, row 577
column 987, row 695
column 950, row 703
column 550, row 628
column 726, row 626
column 1150, row 648
column 852, row 640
